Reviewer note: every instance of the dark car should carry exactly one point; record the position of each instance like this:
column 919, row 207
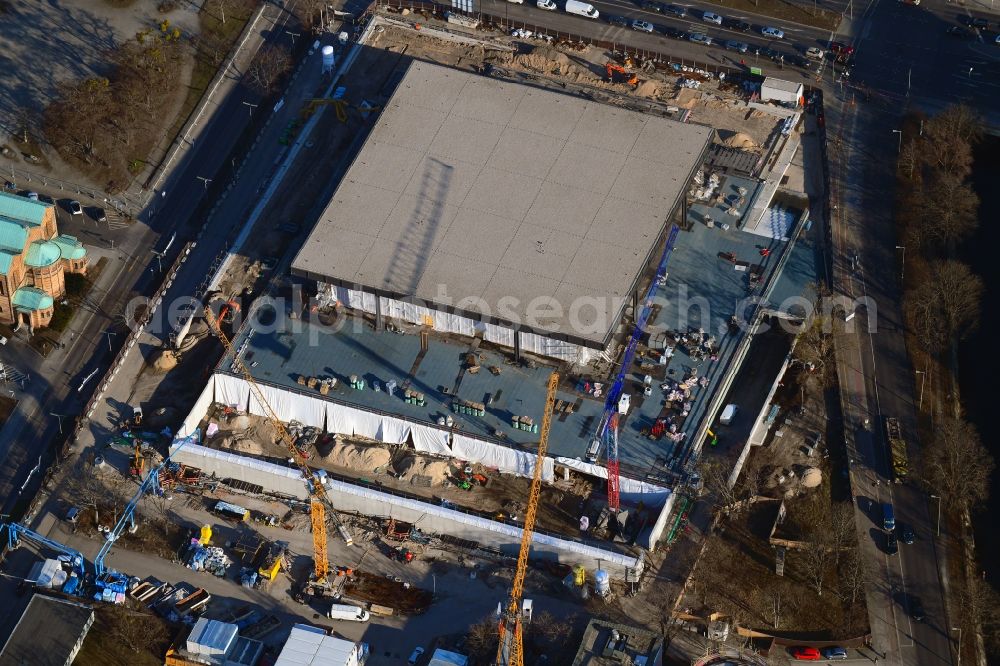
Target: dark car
column 676, row 10
column 917, row 609
column 651, row 6
column 891, row 545
column 979, row 23
column 906, row 534
column 736, row 24
column 623, row 21
column 674, row 33
column 960, row 32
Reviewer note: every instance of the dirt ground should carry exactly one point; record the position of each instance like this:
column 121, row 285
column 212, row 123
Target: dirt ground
column 399, row 468
column 711, row 104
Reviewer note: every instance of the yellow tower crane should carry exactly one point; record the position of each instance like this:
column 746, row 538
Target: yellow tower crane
column 510, row 651
column 318, row 496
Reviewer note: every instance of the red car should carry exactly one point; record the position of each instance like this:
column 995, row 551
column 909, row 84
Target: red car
column 841, row 49
column 805, row 653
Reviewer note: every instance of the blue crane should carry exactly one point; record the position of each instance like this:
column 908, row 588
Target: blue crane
column 150, row 484
column 608, row 425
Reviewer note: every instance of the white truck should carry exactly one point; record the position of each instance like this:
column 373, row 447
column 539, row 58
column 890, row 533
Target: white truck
column 582, row 9
column 350, row 613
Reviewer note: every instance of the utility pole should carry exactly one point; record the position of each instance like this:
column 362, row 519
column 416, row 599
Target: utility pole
column 938, row 498
column 902, row 265
column 920, row 403
column 959, row 630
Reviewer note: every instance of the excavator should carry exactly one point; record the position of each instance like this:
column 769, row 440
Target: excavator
column 614, row 68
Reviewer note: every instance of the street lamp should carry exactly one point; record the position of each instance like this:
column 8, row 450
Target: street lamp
column 60, row 417
column 204, row 180
column 902, row 265
column 251, row 107
column 938, row 513
column 923, row 376
column 900, row 133
column 959, row 630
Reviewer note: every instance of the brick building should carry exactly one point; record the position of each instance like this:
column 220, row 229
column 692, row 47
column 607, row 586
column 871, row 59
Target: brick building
column 34, row 258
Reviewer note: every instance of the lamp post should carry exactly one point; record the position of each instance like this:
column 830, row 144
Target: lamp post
column 60, row 417
column 900, row 133
column 902, row 264
column 959, row 630
column 923, row 376
column 938, row 498
column 251, row 107
column 204, row 180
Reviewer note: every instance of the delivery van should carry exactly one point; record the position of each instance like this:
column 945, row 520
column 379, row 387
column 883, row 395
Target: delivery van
column 888, row 518
column 582, row 9
column 350, row 613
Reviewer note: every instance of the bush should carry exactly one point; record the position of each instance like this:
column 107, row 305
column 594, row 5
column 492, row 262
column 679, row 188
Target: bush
column 76, row 285
column 61, row 317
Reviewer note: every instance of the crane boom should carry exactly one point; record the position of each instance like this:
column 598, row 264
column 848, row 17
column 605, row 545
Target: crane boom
column 510, row 651
column 317, row 490
column 608, row 425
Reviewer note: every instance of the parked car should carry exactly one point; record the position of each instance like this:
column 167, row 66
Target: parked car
column 623, row 21
column 891, row 545
column 906, row 534
column 98, row 214
column 676, row 10
column 709, row 17
column 960, row 32
column 979, row 23
column 516, row 2
column 75, row 208
column 700, row 38
column 888, row 517
column 834, row 653
column 642, row 26
column 805, row 653
column 840, row 49
column 815, row 53
column 736, row 24
column 651, row 6
column 547, row 5
column 415, row 656
column 733, row 45
column 32, row 195
column 674, row 33
column 773, row 33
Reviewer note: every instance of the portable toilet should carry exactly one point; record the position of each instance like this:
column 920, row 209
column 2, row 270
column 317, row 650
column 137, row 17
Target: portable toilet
column 602, row 583
column 206, row 535
column 728, row 414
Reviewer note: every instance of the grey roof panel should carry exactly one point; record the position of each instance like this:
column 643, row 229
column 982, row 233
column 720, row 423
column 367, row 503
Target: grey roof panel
column 475, row 187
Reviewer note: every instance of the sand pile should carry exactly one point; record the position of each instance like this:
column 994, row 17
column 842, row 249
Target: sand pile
column 239, row 444
column 165, row 360
column 738, row 140
column 651, row 89
column 411, row 466
column 549, row 61
column 357, row 456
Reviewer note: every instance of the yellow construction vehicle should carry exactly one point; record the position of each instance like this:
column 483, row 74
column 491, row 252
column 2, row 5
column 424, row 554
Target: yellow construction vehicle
column 319, row 500
column 340, row 107
column 510, row 651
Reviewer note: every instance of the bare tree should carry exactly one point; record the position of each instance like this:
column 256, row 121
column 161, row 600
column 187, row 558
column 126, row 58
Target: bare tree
column 752, row 476
column 949, row 138
column 816, row 556
column 944, row 308
column 27, row 122
column 137, row 630
column 815, row 350
column 75, row 121
column 854, row 576
column 221, row 6
column 309, row 11
column 267, row 69
column 842, row 534
column 981, row 612
column 949, row 211
column 552, row 629
column 957, row 465
column 482, row 641
column 715, row 473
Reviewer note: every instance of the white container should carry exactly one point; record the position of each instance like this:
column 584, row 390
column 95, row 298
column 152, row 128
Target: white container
column 602, row 583
column 328, row 58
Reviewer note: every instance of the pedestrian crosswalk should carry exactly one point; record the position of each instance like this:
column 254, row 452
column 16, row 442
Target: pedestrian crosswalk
column 117, row 221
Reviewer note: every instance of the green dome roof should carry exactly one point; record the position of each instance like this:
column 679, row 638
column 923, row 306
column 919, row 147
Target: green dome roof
column 42, row 253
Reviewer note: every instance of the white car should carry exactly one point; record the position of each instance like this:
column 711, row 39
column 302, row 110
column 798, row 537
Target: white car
column 546, row 4
column 415, row 656
column 516, row 2
column 815, row 53
column 642, row 26
column 709, row 17
column 33, row 196
column 774, row 33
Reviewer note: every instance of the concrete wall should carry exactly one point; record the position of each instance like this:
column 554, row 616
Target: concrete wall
column 429, row 518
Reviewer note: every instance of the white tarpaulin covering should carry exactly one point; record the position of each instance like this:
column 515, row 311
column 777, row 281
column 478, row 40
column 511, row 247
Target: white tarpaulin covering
column 291, row 406
column 395, row 431
column 446, row 322
column 503, row 458
column 200, row 408
column 430, row 440
column 345, row 420
column 232, row 392
column 648, row 491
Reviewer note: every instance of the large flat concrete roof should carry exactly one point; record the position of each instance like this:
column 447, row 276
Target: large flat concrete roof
column 470, row 190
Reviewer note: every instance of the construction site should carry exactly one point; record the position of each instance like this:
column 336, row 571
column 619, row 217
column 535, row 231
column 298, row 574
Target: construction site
column 461, row 317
